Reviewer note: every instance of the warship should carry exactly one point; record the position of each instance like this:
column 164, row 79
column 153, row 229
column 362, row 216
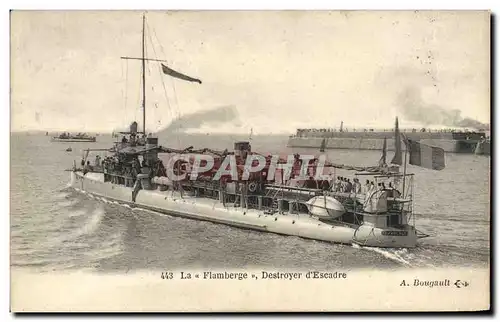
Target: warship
column 68, row 137
column 268, row 193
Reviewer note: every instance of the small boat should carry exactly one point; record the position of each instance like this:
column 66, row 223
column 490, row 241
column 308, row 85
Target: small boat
column 69, row 149
column 323, row 145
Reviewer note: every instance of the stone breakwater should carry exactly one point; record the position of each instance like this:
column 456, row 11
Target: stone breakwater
column 363, row 143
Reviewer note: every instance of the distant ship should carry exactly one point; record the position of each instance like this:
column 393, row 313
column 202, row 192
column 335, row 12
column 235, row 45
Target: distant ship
column 456, row 141
column 68, row 137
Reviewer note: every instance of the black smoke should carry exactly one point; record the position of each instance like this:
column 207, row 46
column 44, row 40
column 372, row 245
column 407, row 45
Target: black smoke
column 219, row 115
column 415, row 109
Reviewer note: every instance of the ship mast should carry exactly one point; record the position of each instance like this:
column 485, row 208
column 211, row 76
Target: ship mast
column 166, row 70
column 143, row 59
column 143, row 76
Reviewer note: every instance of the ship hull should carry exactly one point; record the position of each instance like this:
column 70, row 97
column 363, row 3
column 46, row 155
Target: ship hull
column 362, row 143
column 199, row 208
column 72, row 140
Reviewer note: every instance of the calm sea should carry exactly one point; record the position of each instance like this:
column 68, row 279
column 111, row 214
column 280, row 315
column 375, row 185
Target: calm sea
column 56, row 228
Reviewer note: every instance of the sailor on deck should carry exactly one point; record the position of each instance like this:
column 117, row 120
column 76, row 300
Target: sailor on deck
column 87, row 168
column 357, row 186
column 142, row 140
column 367, row 187
column 98, row 160
column 133, row 139
column 337, row 184
column 348, row 186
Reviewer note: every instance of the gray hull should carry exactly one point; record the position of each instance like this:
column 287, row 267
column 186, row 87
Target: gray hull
column 199, row 208
column 72, row 140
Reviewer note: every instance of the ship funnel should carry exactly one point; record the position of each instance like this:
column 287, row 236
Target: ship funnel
column 133, row 127
column 242, row 149
column 150, row 144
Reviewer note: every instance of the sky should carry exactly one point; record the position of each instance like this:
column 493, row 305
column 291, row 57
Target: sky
column 273, row 71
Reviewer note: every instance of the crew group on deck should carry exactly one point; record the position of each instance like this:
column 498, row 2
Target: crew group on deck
column 122, row 170
column 135, row 140
column 342, row 184
column 124, row 166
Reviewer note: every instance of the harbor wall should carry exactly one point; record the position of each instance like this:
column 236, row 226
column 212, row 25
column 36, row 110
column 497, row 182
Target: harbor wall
column 363, row 143
column 414, row 135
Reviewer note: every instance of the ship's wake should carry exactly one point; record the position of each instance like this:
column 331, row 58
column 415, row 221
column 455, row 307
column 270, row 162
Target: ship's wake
column 80, row 234
column 418, row 257
column 396, row 255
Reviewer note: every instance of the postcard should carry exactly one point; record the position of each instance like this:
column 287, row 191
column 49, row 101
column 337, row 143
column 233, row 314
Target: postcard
column 250, row 161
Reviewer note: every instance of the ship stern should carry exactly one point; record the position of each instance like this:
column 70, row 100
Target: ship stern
column 389, row 237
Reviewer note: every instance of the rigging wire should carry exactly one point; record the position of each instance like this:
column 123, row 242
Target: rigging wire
column 159, row 69
column 122, row 92
column 126, row 84
column 149, row 74
column 139, row 102
column 158, row 125
column 164, row 88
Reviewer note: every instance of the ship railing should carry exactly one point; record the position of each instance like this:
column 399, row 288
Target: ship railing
column 122, row 179
column 272, row 191
column 291, row 189
column 247, row 201
column 362, row 196
column 376, row 213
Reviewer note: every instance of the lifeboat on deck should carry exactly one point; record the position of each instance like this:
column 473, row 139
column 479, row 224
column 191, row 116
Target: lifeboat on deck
column 325, row 207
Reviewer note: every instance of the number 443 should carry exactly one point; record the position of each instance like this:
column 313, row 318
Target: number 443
column 167, row 275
